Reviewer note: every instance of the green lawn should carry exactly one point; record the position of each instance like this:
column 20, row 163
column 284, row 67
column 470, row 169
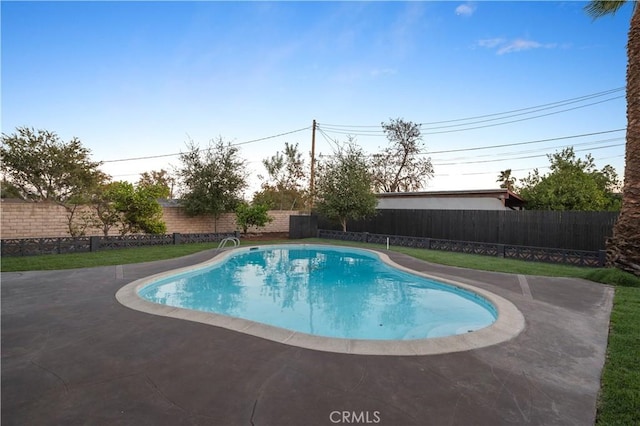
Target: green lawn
column 102, row 258
column 619, row 402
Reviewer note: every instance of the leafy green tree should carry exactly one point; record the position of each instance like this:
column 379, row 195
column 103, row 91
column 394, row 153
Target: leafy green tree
column 103, row 202
column 213, row 179
column 161, row 179
column 572, row 184
column 345, row 185
column 9, row 190
column 252, row 215
column 41, row 167
column 131, row 209
column 142, row 212
column 623, row 249
column 282, row 189
column 78, row 218
column 398, row 168
column 506, row 180
column 44, row 168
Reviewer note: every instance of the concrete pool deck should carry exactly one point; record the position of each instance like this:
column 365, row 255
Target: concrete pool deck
column 71, row 354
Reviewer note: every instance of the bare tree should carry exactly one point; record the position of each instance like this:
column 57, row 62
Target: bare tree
column 400, row 167
column 282, row 189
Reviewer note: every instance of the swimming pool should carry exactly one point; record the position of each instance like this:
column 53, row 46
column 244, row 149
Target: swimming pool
column 324, row 294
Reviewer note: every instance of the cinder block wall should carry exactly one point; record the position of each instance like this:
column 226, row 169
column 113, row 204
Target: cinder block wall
column 178, row 221
column 31, row 220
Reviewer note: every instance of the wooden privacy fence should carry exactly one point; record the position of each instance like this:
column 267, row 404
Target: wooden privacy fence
column 554, row 229
column 303, row 226
column 536, row 254
column 60, row 245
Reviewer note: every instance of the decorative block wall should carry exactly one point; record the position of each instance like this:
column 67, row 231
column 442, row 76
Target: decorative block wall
column 31, row 220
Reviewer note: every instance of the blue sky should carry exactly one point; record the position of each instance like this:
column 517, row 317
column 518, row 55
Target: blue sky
column 136, row 79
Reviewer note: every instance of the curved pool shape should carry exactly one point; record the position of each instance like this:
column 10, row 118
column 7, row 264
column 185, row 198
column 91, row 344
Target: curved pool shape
column 329, row 298
column 330, row 292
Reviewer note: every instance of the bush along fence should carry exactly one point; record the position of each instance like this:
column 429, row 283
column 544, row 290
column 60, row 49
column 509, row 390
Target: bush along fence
column 60, row 245
column 507, row 251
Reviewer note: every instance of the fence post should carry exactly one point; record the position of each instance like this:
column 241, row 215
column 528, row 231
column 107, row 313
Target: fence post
column 500, row 250
column 94, row 243
column 365, row 237
column 176, row 239
column 236, row 234
column 602, row 258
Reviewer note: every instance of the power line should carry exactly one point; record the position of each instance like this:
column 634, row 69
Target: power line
column 380, row 133
column 425, row 130
column 535, row 108
column 525, row 113
column 149, row 157
column 564, row 101
column 515, row 170
column 522, row 119
column 523, row 157
column 537, row 149
column 525, row 143
column 487, row 161
column 328, row 139
column 478, row 148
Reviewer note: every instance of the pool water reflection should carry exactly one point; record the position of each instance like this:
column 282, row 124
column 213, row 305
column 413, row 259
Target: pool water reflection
column 325, row 291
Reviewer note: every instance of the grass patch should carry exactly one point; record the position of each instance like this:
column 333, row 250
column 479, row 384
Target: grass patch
column 494, row 264
column 48, row 262
column 463, row 260
column 619, row 401
column 101, row 258
column 476, row 261
column 614, row 277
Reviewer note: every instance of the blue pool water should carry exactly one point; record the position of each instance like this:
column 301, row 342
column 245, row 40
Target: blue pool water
column 325, row 291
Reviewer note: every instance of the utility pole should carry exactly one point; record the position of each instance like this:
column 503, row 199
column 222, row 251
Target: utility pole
column 312, row 179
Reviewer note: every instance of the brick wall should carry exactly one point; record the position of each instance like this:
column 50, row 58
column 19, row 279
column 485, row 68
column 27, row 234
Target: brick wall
column 178, row 221
column 32, row 220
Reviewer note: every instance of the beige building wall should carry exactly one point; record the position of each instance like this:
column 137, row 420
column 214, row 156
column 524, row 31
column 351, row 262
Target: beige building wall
column 32, row 220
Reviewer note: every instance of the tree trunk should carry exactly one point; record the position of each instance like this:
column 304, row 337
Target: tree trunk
column 343, row 222
column 623, row 249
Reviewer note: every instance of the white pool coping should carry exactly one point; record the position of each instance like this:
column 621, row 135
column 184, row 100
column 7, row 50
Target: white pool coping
column 509, row 323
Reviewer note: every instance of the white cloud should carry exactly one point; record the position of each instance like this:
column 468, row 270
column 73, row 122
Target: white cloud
column 504, row 46
column 518, row 45
column 490, row 43
column 377, row 72
column 466, row 9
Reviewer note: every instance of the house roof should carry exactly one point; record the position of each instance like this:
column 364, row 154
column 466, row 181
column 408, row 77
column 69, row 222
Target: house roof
column 501, row 193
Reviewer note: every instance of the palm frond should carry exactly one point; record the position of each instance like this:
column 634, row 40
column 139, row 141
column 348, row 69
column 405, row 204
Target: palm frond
column 599, row 8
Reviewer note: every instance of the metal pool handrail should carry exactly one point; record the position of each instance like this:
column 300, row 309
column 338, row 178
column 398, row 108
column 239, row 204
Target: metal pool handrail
column 234, row 240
